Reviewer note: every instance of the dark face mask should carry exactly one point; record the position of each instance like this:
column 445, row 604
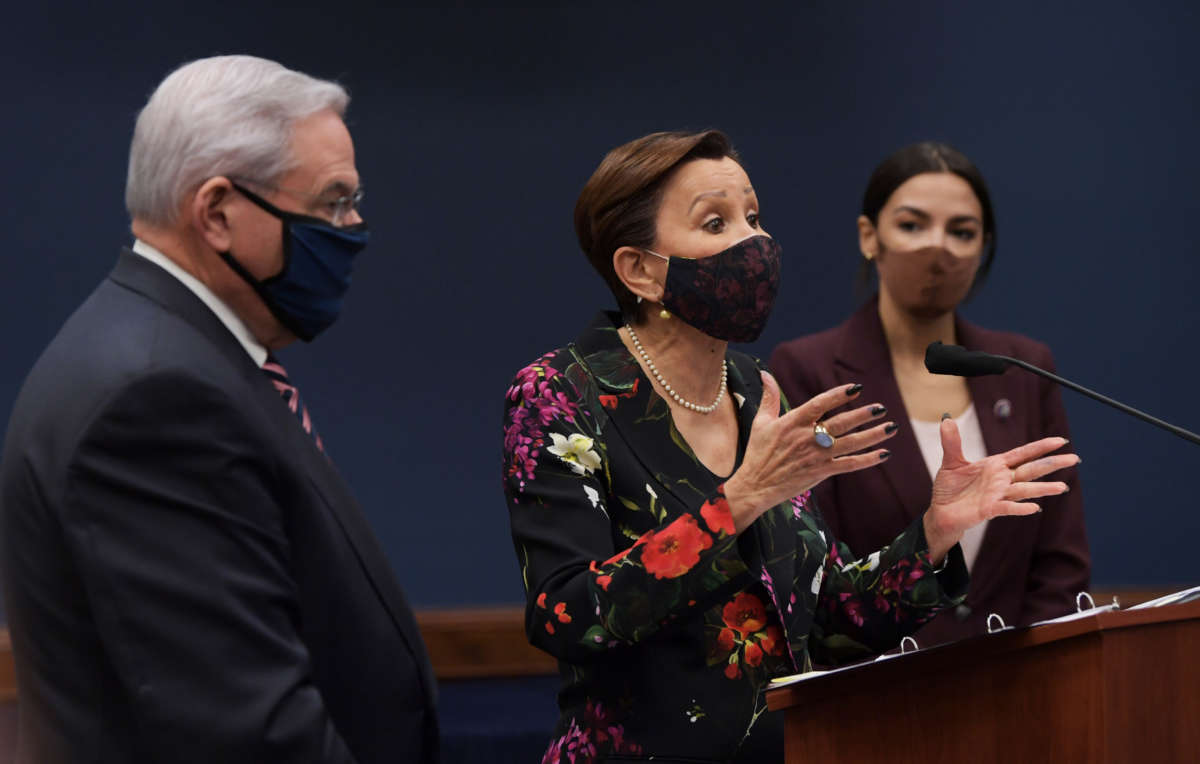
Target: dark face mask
column 729, row 295
column 306, row 296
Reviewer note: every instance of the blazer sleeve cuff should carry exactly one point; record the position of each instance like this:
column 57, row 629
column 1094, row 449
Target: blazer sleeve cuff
column 952, row 575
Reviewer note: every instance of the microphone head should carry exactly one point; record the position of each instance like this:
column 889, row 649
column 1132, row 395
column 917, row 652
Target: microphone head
column 960, row 362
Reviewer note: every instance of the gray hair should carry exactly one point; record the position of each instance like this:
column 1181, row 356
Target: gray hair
column 226, row 115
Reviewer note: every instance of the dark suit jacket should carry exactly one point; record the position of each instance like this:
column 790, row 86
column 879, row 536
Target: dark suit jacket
column 1028, row 568
column 187, row 578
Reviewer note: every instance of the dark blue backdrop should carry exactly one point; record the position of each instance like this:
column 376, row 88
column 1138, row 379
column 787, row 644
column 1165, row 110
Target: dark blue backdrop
column 476, row 128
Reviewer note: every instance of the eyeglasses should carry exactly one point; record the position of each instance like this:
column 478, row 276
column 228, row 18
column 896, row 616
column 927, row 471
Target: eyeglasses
column 336, row 209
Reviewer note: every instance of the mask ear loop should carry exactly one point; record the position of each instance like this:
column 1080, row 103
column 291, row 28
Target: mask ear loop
column 664, row 313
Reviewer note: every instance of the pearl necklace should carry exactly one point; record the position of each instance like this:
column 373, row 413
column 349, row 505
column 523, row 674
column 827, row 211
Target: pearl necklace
column 674, row 395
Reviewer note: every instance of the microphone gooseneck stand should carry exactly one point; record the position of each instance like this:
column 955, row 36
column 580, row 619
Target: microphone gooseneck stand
column 954, row 360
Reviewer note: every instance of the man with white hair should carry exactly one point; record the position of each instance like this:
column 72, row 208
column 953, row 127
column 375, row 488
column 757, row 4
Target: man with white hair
column 187, row 577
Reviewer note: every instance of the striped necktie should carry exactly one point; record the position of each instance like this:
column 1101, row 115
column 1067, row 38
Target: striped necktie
column 291, row 397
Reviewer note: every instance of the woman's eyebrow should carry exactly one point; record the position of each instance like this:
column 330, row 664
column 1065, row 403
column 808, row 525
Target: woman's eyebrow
column 748, row 190
column 703, row 195
column 912, row 211
column 966, row 219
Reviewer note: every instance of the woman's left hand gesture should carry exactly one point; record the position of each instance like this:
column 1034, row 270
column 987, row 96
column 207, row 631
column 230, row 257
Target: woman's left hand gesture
column 967, row 493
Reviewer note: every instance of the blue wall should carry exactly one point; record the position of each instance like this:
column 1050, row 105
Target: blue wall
column 476, row 128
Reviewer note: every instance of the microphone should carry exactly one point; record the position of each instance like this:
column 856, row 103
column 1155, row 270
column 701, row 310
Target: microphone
column 960, row 362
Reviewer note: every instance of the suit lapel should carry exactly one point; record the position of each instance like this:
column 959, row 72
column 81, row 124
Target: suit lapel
column 862, row 356
column 642, row 420
column 341, row 504
column 770, row 565
column 639, row 415
column 144, row 277
column 1002, row 423
column 141, row 275
column 745, row 385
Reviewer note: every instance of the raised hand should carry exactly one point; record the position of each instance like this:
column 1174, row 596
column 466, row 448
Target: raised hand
column 782, row 456
column 968, row 493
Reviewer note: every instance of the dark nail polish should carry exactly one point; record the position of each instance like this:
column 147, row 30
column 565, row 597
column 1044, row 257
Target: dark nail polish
column 891, row 427
column 884, row 454
column 854, row 389
column 878, row 410
column 946, row 415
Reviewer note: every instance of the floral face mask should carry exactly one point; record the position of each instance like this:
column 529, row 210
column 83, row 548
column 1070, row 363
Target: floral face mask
column 729, row 295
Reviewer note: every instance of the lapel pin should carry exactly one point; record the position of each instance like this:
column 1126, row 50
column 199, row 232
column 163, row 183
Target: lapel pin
column 1002, row 408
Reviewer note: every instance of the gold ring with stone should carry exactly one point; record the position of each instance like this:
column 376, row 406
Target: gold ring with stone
column 822, row 436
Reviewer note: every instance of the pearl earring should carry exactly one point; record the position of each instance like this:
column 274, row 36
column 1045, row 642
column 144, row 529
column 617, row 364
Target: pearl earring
column 664, row 313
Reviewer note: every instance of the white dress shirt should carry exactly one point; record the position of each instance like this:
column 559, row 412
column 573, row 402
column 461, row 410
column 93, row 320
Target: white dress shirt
column 235, row 325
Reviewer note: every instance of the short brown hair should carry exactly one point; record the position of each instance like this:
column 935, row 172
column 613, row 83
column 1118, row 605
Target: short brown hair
column 618, row 205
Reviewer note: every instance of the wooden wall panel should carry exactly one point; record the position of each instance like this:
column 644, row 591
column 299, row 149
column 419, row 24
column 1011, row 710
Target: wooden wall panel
column 480, row 643
column 8, row 676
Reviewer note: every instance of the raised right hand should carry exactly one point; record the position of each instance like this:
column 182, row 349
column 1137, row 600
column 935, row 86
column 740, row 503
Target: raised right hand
column 782, row 456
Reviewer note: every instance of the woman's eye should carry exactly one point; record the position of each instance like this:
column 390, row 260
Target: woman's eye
column 714, row 225
column 753, row 219
column 909, row 226
column 964, row 235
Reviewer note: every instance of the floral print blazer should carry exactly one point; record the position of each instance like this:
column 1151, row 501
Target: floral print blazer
column 666, row 624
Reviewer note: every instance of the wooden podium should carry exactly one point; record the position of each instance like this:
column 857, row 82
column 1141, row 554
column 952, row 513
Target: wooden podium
column 1117, row 686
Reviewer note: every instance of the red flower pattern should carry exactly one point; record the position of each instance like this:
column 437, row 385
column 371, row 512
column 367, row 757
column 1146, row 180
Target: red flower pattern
column 746, row 637
column 772, row 640
column 725, row 640
column 621, row 555
column 745, row 613
column 602, row 580
column 717, row 516
column 745, row 632
column 610, row 401
column 754, row 654
column 674, row 550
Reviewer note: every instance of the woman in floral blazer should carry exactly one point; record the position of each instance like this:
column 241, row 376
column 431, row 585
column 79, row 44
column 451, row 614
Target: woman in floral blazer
column 667, row 601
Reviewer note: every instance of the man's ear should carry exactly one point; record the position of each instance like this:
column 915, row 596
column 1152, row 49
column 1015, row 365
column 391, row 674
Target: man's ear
column 209, row 214
column 641, row 272
column 868, row 238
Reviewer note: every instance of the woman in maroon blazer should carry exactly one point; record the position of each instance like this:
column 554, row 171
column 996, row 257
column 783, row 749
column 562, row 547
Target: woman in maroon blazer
column 928, row 230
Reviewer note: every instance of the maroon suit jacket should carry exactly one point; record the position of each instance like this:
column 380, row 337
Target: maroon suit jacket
column 1029, row 568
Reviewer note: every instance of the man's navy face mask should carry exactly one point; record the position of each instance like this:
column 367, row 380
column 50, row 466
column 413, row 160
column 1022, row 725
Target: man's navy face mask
column 306, row 296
